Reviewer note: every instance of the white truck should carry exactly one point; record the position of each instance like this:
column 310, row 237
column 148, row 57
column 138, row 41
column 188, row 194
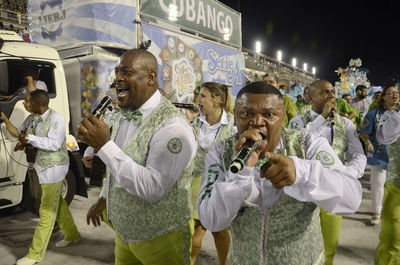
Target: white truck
column 15, row 55
column 194, row 41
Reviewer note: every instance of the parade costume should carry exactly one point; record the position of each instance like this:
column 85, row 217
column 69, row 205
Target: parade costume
column 51, row 166
column 388, row 133
column 290, row 109
column 342, row 137
column 302, row 108
column 150, row 164
column 276, row 226
column 207, row 137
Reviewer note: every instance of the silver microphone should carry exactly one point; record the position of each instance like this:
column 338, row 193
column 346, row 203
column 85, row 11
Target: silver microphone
column 191, row 106
column 104, row 103
column 332, row 117
column 244, row 154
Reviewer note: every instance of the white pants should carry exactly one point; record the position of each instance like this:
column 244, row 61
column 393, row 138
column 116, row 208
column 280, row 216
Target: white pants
column 378, row 178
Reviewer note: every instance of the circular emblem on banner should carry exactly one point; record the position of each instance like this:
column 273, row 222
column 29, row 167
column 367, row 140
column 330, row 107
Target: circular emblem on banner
column 325, row 158
column 174, row 145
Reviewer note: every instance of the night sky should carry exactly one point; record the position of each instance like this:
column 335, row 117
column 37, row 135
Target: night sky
column 326, row 34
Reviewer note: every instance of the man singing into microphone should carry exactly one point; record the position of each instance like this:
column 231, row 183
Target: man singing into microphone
column 341, row 134
column 271, row 205
column 149, row 158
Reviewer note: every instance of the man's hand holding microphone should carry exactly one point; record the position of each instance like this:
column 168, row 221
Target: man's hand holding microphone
column 279, row 169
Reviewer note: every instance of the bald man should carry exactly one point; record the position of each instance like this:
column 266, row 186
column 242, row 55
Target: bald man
column 342, row 136
column 149, row 158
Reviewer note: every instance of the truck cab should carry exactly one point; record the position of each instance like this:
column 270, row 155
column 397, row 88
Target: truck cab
column 15, row 57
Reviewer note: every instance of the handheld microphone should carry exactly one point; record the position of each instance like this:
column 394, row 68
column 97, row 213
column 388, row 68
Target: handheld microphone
column 244, row 154
column 191, row 106
column 332, row 117
column 109, row 97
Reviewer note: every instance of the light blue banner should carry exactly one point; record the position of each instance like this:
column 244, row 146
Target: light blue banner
column 61, row 22
column 185, row 63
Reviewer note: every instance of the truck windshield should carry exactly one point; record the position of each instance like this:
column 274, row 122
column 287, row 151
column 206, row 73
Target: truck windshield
column 15, row 75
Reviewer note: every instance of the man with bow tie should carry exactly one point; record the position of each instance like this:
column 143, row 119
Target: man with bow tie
column 50, row 166
column 149, row 158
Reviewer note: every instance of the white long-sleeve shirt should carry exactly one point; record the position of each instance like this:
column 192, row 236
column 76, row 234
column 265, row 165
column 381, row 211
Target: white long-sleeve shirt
column 334, row 188
column 163, row 168
column 362, row 105
column 389, row 128
column 356, row 159
column 208, row 133
column 55, row 138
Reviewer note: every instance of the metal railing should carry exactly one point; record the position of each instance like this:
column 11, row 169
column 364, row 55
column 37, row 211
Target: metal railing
column 13, row 17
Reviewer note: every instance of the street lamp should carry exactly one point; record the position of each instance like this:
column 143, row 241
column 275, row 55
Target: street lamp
column 258, row 46
column 305, row 67
column 279, row 56
column 314, row 70
column 294, row 62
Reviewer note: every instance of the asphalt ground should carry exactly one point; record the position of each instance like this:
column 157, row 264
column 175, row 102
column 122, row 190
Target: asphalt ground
column 358, row 239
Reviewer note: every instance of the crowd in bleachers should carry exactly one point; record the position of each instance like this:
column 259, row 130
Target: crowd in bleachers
column 14, row 5
column 13, row 17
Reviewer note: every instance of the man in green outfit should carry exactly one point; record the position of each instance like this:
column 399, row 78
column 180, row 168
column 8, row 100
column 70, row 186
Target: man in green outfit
column 271, row 205
column 306, row 103
column 289, row 105
column 341, row 135
column 345, row 109
column 149, row 157
column 51, row 164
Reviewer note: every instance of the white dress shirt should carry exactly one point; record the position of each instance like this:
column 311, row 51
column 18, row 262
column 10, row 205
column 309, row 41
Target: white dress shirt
column 362, row 105
column 333, row 188
column 356, row 159
column 208, row 133
column 389, row 128
column 38, row 84
column 55, row 138
column 163, row 168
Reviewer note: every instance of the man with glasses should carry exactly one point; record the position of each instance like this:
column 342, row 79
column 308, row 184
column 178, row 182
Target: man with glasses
column 342, row 136
column 388, row 133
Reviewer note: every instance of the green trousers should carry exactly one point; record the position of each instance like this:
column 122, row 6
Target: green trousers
column 52, row 208
column 388, row 251
column 173, row 248
column 196, row 185
column 330, row 227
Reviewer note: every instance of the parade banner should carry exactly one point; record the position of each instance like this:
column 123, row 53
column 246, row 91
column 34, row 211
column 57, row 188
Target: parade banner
column 61, row 22
column 185, row 62
column 208, row 17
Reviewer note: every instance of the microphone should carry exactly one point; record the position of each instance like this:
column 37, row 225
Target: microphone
column 105, row 102
column 191, row 106
column 244, row 154
column 332, row 117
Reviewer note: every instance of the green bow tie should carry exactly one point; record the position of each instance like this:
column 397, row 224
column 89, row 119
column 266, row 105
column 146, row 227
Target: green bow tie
column 36, row 121
column 37, row 118
column 135, row 115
